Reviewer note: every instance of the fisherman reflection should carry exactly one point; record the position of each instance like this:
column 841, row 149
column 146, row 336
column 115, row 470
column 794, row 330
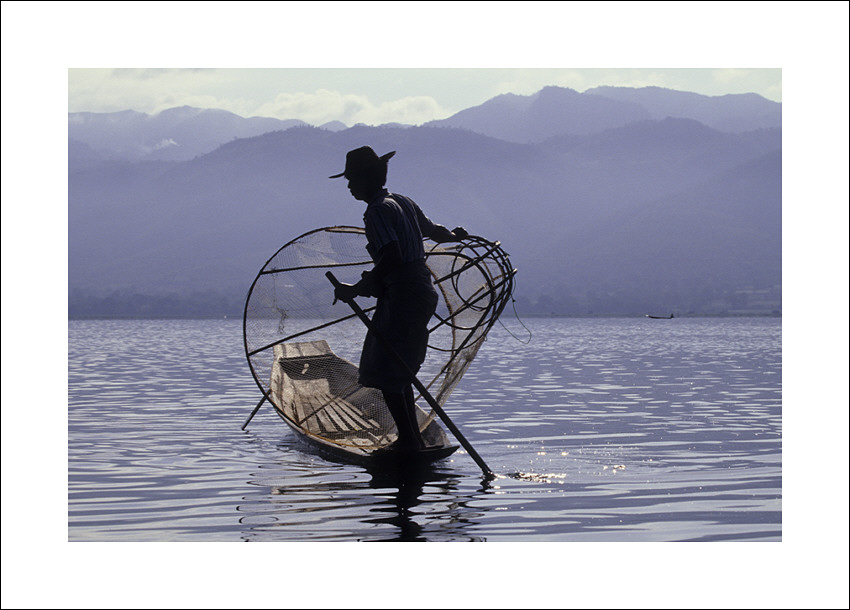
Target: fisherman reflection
column 447, row 517
column 406, row 503
column 395, row 227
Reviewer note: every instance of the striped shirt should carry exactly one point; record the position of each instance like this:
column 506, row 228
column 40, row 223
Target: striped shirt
column 390, row 217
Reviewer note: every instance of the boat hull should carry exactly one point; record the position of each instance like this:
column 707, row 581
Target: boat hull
column 437, row 448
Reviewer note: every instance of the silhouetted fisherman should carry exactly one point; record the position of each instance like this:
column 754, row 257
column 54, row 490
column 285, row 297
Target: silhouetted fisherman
column 395, row 226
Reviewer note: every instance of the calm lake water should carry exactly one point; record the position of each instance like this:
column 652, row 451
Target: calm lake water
column 614, row 430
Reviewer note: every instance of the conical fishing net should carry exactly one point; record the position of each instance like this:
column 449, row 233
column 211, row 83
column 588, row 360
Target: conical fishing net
column 302, row 348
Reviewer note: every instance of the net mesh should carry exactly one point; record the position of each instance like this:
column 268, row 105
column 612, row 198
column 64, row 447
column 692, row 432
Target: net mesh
column 301, row 347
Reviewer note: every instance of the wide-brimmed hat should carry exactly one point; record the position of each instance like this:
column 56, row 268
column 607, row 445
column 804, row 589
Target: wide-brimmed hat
column 363, row 159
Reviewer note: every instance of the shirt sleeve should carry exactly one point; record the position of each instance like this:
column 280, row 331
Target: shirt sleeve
column 425, row 224
column 380, row 227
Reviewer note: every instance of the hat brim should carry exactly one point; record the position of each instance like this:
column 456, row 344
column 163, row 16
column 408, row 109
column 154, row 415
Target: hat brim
column 383, row 158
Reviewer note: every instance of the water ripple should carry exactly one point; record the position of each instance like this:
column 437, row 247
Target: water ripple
column 600, row 430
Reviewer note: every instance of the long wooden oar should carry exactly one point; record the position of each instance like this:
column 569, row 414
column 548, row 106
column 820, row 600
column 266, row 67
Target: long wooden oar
column 416, row 383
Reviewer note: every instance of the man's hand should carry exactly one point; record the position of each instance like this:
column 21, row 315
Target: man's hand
column 345, row 292
column 441, row 234
column 460, row 232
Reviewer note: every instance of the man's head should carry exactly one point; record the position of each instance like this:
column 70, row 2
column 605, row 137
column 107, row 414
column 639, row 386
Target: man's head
column 365, row 170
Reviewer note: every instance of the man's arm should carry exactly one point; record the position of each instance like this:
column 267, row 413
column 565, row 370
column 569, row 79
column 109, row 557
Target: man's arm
column 438, row 233
column 441, row 234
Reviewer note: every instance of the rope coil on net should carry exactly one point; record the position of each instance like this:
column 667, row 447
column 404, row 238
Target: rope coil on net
column 301, row 349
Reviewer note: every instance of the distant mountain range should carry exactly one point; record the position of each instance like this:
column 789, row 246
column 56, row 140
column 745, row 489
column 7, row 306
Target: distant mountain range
column 556, row 111
column 171, row 135
column 615, row 201
column 179, row 134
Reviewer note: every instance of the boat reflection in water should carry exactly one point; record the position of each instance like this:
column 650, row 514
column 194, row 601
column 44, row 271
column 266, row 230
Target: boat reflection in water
column 427, row 502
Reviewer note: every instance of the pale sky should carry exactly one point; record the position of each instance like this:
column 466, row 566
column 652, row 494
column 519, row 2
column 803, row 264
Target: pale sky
column 374, row 96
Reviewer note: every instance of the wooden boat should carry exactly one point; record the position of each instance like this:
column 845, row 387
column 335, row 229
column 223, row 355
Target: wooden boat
column 316, row 393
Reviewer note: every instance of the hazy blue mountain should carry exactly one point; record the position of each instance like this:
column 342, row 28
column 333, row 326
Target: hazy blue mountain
column 179, row 134
column 555, row 111
column 551, row 111
column 81, row 155
column 712, row 246
column 334, row 126
column 653, row 215
column 173, row 135
column 732, row 113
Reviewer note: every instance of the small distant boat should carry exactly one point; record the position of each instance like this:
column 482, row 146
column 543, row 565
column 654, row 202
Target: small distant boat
column 670, row 317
